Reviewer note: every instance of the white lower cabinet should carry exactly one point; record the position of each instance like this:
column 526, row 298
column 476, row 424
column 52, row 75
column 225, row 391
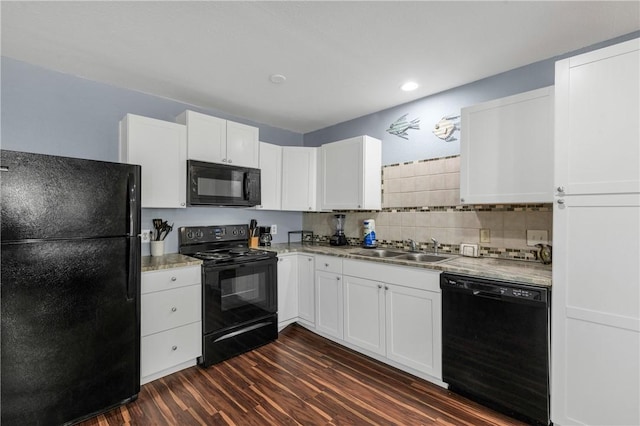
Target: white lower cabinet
column 306, row 291
column 364, row 314
column 287, row 289
column 329, row 296
column 394, row 312
column 413, row 325
column 171, row 322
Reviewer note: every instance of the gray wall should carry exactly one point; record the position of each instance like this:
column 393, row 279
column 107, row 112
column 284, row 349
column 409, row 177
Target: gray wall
column 52, row 113
column 49, row 112
column 422, row 143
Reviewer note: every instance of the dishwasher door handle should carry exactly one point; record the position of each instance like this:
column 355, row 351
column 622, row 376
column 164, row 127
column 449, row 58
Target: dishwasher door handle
column 487, row 294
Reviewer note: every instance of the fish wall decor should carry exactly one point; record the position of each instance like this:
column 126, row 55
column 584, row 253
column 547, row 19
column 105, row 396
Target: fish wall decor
column 401, row 125
column 445, row 127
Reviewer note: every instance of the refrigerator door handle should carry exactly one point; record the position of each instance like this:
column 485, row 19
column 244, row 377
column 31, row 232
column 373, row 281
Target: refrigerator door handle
column 133, row 274
column 132, row 204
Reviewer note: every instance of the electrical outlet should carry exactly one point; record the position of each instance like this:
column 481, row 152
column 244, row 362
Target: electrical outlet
column 537, row 237
column 145, row 236
column 485, row 235
column 274, row 229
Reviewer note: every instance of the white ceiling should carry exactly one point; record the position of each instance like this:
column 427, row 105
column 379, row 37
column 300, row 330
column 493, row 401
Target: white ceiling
column 342, row 60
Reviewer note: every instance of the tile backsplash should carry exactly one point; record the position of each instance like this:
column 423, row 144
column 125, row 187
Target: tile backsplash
column 420, row 201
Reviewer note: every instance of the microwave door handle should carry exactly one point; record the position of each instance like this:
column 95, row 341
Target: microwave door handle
column 245, row 185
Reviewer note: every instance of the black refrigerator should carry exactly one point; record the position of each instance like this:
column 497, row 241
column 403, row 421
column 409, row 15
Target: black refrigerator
column 70, row 287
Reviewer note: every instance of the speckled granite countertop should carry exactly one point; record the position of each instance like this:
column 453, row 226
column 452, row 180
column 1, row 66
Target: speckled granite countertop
column 502, row 269
column 168, row 261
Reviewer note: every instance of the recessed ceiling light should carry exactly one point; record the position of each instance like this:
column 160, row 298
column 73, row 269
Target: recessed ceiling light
column 277, row 78
column 409, row 86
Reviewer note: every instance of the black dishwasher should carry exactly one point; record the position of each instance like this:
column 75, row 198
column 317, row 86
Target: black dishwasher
column 495, row 344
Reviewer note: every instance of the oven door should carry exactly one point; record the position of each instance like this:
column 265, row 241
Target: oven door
column 222, row 185
column 237, row 293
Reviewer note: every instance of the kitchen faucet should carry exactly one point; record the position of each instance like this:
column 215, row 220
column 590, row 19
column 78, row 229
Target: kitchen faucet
column 435, row 246
column 412, row 245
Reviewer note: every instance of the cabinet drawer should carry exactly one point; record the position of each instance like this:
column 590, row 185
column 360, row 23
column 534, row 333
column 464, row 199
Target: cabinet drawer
column 163, row 310
column 329, row 264
column 167, row 279
column 169, row 348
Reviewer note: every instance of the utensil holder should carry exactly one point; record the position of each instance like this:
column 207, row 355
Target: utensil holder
column 253, row 242
column 157, row 248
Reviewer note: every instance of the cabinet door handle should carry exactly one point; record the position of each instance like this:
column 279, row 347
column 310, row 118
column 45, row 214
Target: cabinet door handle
column 338, row 278
column 561, row 201
column 174, row 309
column 173, row 278
column 229, row 161
column 386, row 287
column 182, row 204
column 379, row 285
column 560, row 189
column 174, row 348
column 309, row 259
column 224, row 160
column 326, row 265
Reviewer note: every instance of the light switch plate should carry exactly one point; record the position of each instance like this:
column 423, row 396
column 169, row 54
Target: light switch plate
column 537, row 236
column 145, row 235
column 485, row 235
column 274, row 229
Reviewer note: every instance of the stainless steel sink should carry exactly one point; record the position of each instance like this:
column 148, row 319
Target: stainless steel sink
column 423, row 257
column 379, row 253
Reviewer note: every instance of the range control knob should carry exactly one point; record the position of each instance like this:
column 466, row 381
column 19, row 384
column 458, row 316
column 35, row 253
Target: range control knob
column 189, row 235
column 235, row 231
column 199, row 234
column 242, row 232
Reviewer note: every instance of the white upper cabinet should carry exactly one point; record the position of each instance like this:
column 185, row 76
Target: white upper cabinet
column 270, row 176
column 243, row 147
column 351, row 174
column 506, row 150
column 160, row 147
column 216, row 140
column 299, row 178
column 598, row 124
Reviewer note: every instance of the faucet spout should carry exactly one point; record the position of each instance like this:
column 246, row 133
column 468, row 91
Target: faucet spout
column 435, row 246
column 412, row 245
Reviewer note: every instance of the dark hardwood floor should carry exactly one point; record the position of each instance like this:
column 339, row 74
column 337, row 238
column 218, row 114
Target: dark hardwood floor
column 301, row 379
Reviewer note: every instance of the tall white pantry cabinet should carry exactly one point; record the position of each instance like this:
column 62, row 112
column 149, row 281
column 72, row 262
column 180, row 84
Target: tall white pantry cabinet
column 596, row 220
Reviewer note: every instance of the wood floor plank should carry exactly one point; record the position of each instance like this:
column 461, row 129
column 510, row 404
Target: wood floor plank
column 301, row 379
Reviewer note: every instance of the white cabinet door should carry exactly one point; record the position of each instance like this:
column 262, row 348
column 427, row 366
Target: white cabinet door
column 206, row 136
column 329, row 307
column 243, row 146
column 595, row 348
column 287, row 289
column 506, row 150
column 160, row 147
column 351, row 174
column 364, row 314
column 299, row 178
column 306, row 290
column 270, row 177
column 217, row 140
column 598, row 121
column 413, row 324
column 596, row 311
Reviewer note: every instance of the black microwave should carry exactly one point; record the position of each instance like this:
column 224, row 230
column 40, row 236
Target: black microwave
column 211, row 184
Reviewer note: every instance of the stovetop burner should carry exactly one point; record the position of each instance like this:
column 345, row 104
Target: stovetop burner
column 219, row 244
column 203, row 255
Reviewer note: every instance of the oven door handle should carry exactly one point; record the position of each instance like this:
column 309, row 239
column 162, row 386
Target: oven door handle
column 243, row 330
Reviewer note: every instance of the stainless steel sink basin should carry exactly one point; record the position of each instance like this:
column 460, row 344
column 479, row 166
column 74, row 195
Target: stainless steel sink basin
column 423, row 257
column 379, row 253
